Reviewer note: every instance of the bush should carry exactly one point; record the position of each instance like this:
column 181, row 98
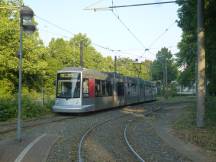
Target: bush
column 211, row 111
column 8, row 109
column 31, row 105
column 6, row 89
column 171, row 90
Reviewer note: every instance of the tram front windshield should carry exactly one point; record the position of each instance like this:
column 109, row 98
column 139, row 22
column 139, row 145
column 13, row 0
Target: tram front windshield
column 68, row 85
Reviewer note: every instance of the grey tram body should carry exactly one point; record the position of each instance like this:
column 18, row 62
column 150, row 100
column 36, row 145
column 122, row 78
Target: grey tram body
column 93, row 90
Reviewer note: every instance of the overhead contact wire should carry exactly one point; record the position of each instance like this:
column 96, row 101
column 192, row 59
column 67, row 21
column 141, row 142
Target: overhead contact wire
column 135, row 37
column 161, row 35
column 68, row 31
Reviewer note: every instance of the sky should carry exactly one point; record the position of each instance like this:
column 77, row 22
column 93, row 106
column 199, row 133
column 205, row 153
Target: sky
column 145, row 31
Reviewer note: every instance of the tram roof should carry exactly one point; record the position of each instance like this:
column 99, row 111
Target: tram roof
column 109, row 74
column 71, row 69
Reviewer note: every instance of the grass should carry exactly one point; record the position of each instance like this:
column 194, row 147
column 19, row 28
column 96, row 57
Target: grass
column 185, row 127
column 176, row 99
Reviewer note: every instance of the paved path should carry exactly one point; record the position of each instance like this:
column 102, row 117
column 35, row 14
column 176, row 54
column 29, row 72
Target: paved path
column 31, row 149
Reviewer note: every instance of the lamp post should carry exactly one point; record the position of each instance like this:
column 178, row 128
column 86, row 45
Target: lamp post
column 26, row 25
column 138, row 70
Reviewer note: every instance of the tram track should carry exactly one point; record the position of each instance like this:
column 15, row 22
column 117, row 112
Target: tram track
column 127, row 144
column 85, row 135
column 10, row 127
column 132, row 149
column 130, row 146
column 97, row 125
column 153, row 109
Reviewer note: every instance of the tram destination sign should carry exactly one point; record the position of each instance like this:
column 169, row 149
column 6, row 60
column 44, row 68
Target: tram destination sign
column 68, row 75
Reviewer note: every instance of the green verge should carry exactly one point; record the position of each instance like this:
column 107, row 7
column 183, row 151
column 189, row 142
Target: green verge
column 175, row 99
column 185, row 126
column 30, row 108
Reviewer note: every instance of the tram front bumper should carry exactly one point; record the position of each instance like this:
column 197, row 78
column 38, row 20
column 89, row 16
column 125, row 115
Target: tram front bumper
column 72, row 109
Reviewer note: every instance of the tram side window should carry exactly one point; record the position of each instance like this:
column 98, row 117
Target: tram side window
column 109, row 88
column 133, row 89
column 120, row 89
column 129, row 89
column 98, row 88
column 144, row 87
column 85, row 87
column 103, row 87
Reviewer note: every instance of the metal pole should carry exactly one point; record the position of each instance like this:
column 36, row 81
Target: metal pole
column 139, row 72
column 201, row 65
column 18, row 135
column 166, row 77
column 150, row 71
column 163, row 66
column 115, row 68
column 81, row 54
column 139, row 81
column 114, row 82
column 42, row 91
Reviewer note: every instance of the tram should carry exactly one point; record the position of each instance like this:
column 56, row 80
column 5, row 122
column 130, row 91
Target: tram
column 83, row 90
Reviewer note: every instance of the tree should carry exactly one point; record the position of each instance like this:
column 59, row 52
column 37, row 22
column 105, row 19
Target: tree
column 164, row 60
column 129, row 67
column 186, row 58
column 33, row 49
column 164, row 69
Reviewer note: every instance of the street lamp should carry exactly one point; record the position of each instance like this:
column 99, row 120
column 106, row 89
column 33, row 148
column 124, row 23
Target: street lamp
column 26, row 25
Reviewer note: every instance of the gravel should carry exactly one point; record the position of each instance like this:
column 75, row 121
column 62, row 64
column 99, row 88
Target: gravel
column 149, row 146
column 65, row 149
column 106, row 142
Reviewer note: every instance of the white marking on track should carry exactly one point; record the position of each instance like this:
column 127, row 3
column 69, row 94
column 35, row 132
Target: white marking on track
column 27, row 148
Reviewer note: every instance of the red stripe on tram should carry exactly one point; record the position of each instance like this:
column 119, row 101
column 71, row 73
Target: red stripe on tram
column 91, row 87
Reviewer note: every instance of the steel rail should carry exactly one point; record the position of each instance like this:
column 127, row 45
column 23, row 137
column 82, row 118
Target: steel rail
column 130, row 147
column 80, row 159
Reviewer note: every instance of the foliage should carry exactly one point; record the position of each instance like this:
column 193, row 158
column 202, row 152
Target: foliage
column 30, row 108
column 211, row 111
column 164, row 62
column 40, row 64
column 186, row 58
column 7, row 109
column 6, row 89
column 172, row 90
column 164, row 59
column 129, row 67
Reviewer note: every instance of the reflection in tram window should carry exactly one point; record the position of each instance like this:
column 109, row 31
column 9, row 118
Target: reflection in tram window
column 109, row 88
column 120, row 89
column 68, row 89
column 103, row 87
column 68, row 85
column 76, row 91
column 64, row 89
column 85, row 87
column 98, row 90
